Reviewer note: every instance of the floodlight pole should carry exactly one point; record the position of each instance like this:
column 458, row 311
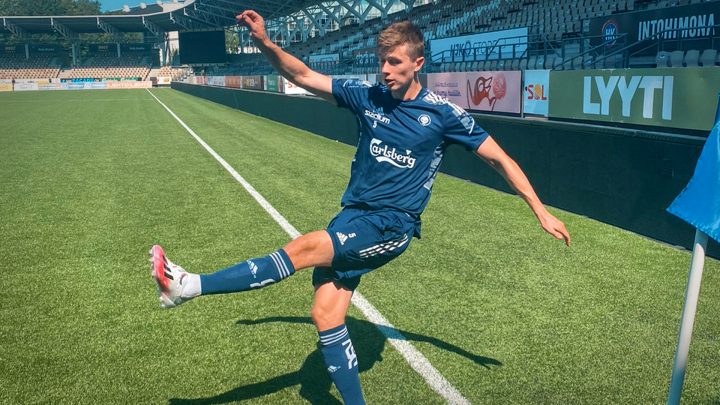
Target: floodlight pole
column 688, row 317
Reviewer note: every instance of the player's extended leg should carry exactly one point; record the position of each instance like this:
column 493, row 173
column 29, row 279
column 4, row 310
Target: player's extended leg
column 176, row 286
column 328, row 314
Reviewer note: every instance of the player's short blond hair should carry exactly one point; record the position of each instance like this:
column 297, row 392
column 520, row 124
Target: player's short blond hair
column 401, row 33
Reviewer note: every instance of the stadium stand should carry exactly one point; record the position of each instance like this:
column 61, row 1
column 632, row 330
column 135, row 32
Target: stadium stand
column 37, row 67
column 557, row 39
column 557, row 36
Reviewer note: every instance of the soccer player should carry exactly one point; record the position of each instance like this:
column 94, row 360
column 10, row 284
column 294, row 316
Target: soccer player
column 404, row 130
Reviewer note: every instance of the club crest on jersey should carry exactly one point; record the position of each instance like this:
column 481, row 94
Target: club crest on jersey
column 424, row 120
column 384, row 153
column 377, row 116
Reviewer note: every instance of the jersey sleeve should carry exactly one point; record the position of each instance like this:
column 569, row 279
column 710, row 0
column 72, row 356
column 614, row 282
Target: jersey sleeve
column 350, row 93
column 461, row 129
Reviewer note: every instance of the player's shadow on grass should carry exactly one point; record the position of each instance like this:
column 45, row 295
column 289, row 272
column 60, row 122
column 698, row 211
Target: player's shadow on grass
column 369, row 342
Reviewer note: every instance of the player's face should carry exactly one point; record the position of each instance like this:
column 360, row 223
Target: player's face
column 398, row 69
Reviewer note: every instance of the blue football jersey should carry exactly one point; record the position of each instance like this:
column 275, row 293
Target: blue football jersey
column 401, row 144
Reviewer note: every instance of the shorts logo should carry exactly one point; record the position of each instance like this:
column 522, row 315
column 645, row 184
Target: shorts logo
column 384, row 153
column 343, row 238
column 424, row 120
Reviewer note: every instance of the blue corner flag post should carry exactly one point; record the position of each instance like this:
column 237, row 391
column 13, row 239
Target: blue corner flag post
column 699, row 205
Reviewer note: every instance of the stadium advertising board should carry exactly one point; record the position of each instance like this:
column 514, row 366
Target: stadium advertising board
column 39, row 48
column 216, row 81
column 328, row 57
column 252, row 82
column 448, row 85
column 97, row 85
column 6, row 85
column 233, row 81
column 505, row 44
column 38, row 81
column 103, row 48
column 12, row 50
column 351, row 77
column 164, row 80
column 536, row 92
column 290, row 88
column 22, row 86
column 50, row 86
column 494, row 91
column 272, row 83
column 689, row 23
column 139, row 47
column 677, row 98
column 480, row 91
column 127, row 85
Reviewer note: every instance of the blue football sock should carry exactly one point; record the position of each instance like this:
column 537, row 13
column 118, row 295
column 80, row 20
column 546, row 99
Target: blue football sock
column 342, row 364
column 248, row 275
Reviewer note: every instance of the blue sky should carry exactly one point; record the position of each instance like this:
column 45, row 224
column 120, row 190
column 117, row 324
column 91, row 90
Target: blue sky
column 106, row 5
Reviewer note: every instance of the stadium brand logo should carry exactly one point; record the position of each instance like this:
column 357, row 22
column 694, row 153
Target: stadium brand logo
column 627, row 90
column 377, row 117
column 383, row 153
column 694, row 26
column 536, row 92
column 610, row 32
column 424, row 120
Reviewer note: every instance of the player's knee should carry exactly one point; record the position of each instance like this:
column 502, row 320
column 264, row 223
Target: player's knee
column 325, row 318
column 309, row 250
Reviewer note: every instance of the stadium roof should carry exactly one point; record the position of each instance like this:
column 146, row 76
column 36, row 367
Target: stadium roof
column 156, row 18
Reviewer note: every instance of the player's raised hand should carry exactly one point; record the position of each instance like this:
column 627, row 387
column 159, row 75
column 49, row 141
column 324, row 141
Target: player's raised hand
column 555, row 227
column 254, row 22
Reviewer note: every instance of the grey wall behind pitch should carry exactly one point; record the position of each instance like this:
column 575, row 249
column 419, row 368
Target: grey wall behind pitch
column 622, row 177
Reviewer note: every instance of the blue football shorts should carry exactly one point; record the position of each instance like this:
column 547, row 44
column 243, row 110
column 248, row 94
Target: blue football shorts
column 363, row 241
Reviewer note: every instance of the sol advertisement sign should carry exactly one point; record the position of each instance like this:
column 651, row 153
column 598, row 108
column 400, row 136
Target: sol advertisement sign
column 536, row 92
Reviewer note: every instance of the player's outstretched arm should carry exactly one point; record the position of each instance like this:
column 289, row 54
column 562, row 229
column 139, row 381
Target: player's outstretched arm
column 496, row 157
column 287, row 65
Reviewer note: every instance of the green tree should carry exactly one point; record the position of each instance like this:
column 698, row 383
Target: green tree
column 49, row 7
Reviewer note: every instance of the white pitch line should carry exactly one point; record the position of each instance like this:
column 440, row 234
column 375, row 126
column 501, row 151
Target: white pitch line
column 412, row 356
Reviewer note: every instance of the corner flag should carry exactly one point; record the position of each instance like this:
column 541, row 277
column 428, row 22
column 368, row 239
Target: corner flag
column 699, row 203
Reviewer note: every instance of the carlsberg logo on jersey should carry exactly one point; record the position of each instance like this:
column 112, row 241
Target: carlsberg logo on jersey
column 383, row 153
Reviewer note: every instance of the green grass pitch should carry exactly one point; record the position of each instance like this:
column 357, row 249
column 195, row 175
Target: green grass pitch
column 90, row 180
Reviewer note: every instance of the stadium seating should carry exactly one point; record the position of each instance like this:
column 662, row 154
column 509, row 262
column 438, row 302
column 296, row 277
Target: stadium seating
column 555, row 41
column 708, row 57
column 676, row 58
column 662, row 59
column 692, row 58
column 132, row 66
column 36, row 67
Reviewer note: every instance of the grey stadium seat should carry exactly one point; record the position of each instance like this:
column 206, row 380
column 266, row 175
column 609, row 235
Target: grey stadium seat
column 662, row 59
column 691, row 58
column 676, row 58
column 531, row 62
column 523, row 64
column 708, row 57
